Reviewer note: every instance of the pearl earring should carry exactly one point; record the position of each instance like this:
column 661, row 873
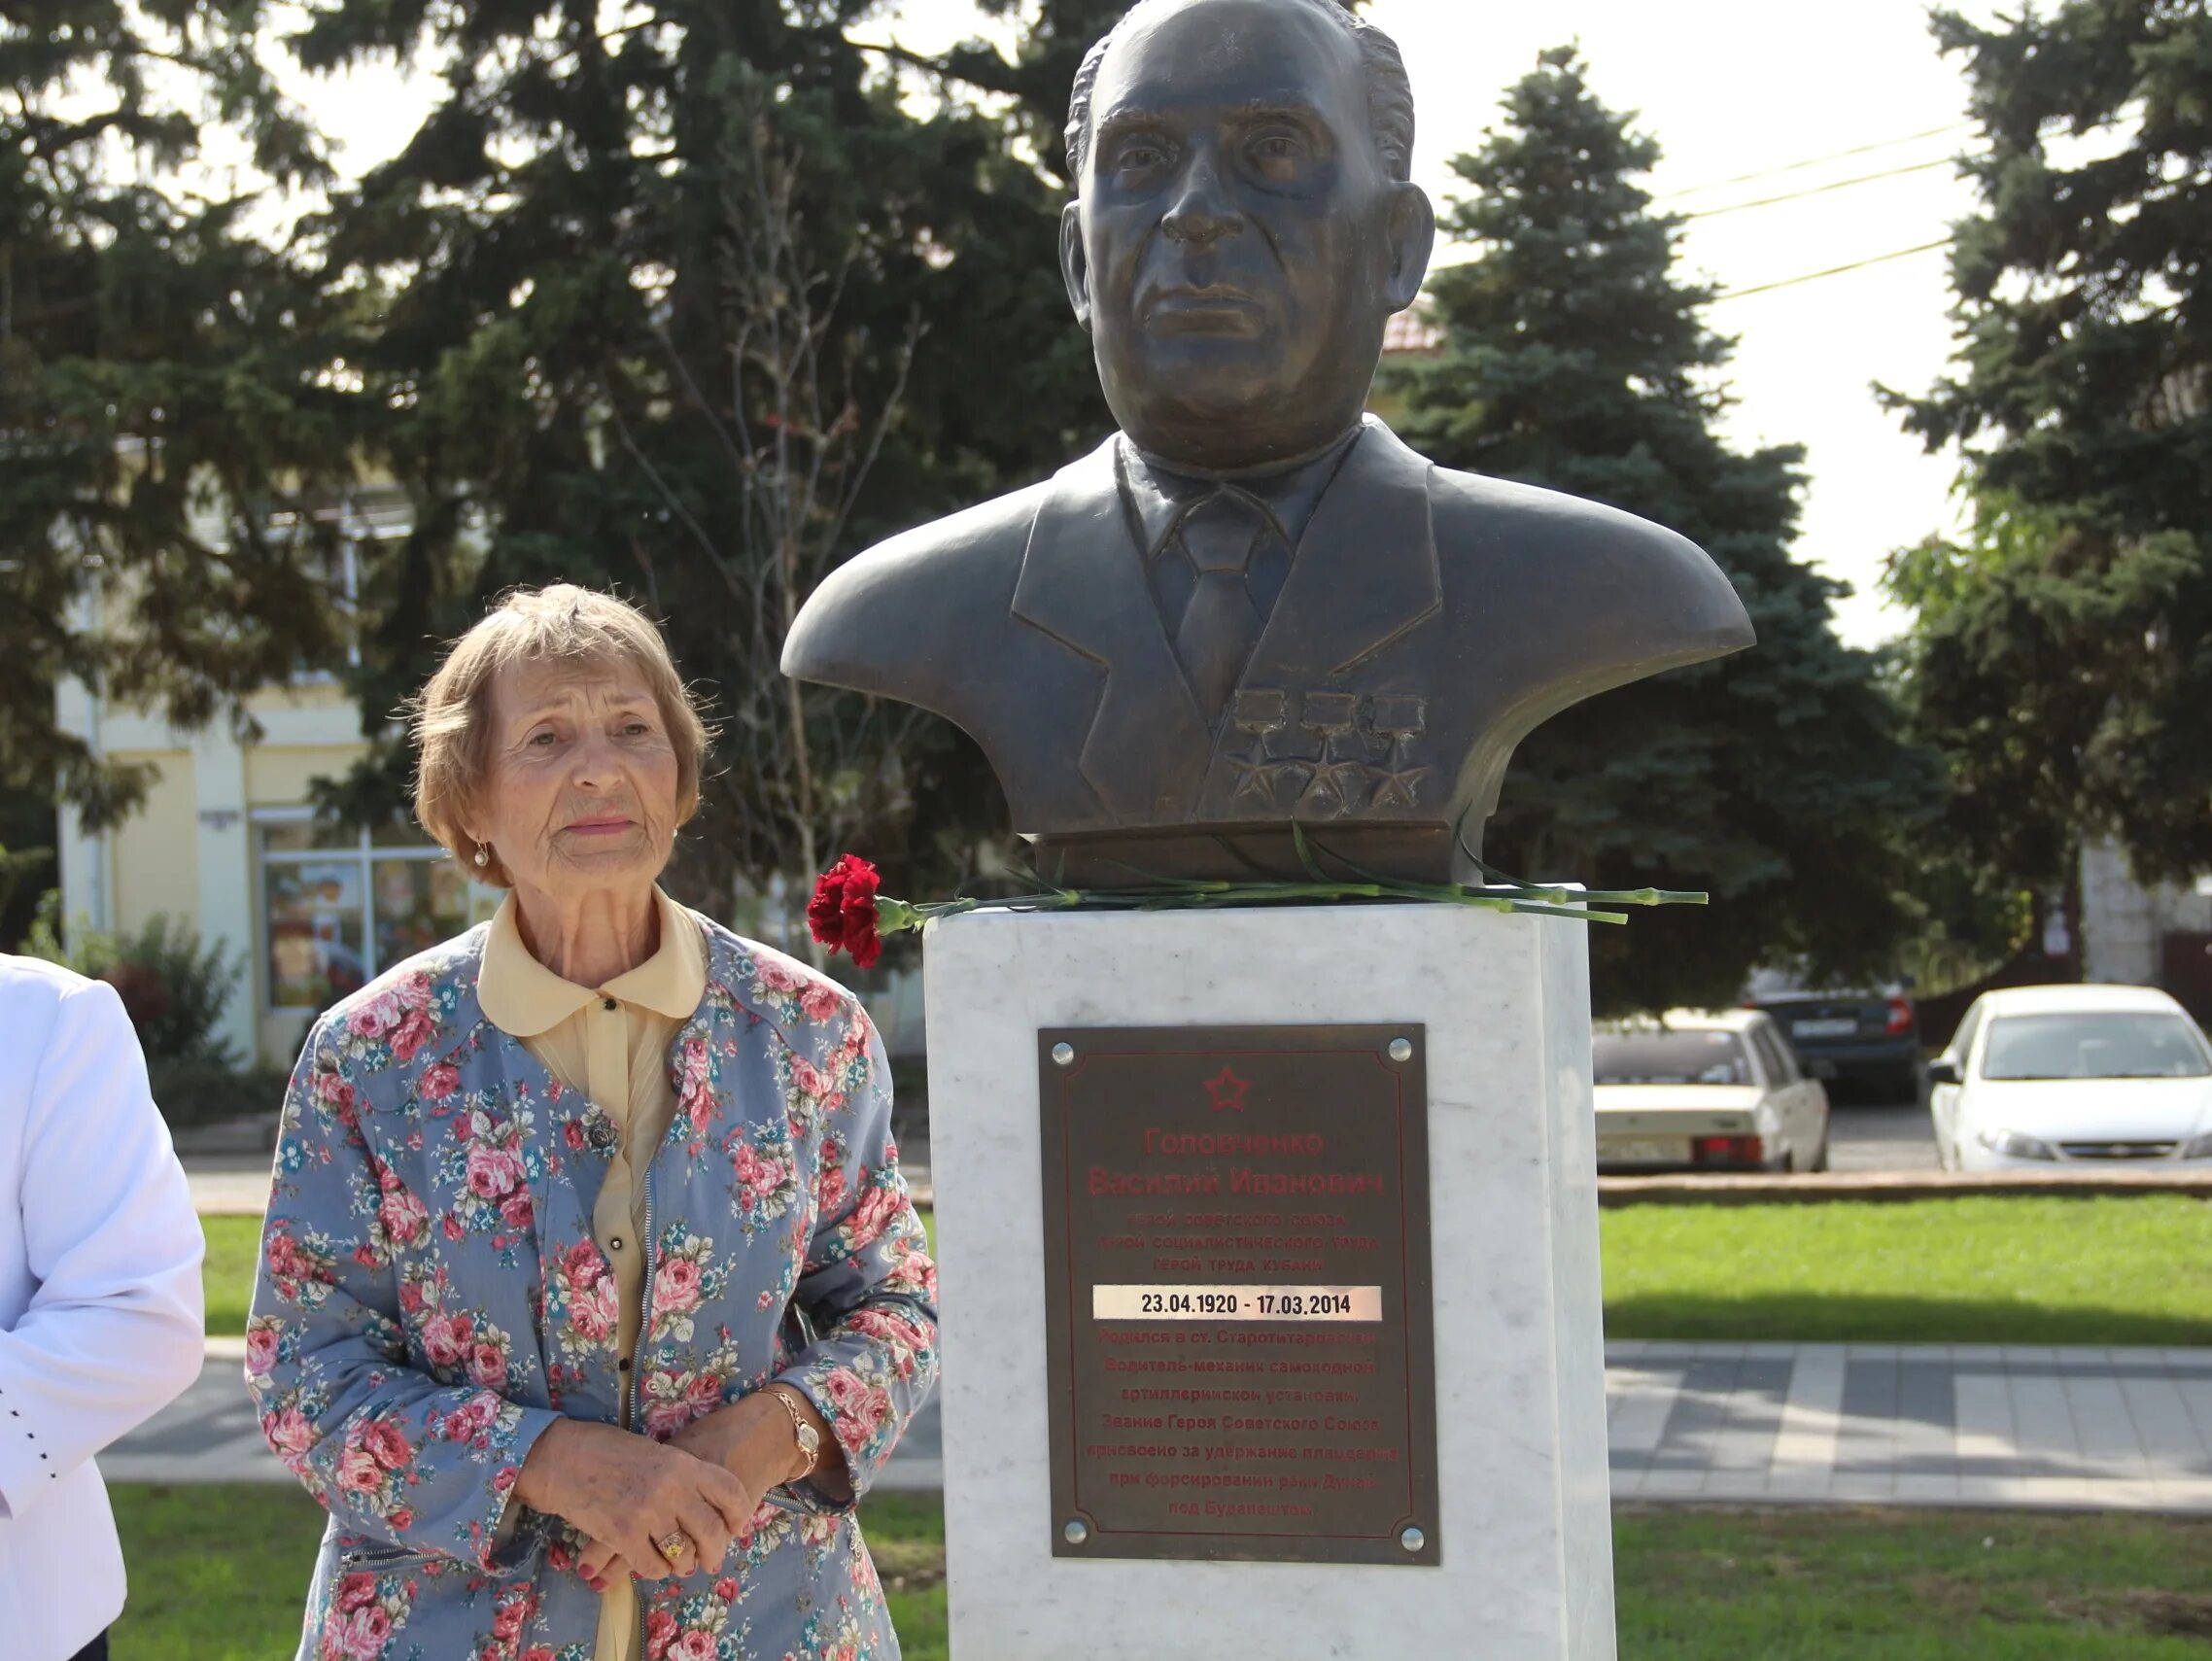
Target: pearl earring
column 483, row 855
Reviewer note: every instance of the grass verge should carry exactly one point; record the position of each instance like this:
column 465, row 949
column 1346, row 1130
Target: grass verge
column 1984, row 1269
column 233, row 1250
column 1808, row 1585
column 218, row 1573
column 2016, row 1271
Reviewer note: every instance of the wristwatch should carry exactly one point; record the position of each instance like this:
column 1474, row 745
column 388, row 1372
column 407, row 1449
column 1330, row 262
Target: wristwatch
column 809, row 1440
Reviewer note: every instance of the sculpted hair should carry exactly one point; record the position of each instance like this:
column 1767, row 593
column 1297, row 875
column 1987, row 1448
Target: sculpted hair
column 585, row 631
column 1390, row 91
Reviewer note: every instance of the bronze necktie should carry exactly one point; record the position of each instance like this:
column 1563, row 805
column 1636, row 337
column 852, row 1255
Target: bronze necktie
column 1220, row 624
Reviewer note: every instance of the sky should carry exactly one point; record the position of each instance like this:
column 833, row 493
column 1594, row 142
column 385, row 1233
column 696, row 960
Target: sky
column 1740, row 94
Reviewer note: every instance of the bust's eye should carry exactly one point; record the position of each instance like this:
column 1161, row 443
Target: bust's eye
column 1277, row 150
column 1140, row 154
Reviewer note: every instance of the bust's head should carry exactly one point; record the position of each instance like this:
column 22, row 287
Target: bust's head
column 1244, row 223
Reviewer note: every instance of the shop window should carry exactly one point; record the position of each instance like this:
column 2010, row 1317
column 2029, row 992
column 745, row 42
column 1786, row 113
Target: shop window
column 339, row 907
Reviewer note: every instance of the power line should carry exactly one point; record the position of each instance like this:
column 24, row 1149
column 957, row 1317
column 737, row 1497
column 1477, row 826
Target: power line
column 1821, row 190
column 1832, row 271
column 1815, row 161
column 2127, row 110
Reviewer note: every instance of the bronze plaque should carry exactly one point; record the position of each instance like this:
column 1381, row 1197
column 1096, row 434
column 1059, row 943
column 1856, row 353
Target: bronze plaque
column 1237, row 1292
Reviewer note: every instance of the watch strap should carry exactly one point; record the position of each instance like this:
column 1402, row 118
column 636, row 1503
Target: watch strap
column 808, row 1438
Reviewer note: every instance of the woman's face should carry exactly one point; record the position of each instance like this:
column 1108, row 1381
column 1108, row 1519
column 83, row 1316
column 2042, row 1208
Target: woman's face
column 580, row 793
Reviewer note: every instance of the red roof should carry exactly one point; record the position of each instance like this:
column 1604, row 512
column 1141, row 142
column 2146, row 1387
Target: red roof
column 1411, row 331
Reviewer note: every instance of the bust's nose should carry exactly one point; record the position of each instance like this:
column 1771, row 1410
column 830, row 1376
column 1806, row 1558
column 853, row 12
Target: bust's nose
column 1203, row 211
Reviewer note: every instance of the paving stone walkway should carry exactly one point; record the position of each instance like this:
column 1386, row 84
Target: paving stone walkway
column 1747, row 1424
column 1921, row 1424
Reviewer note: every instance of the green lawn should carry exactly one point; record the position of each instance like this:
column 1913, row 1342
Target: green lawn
column 2024, row 1270
column 1983, row 1270
column 1808, row 1585
column 233, row 1246
column 216, row 1574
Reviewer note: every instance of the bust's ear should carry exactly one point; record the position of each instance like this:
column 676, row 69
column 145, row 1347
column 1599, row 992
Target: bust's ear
column 1075, row 265
column 1412, row 229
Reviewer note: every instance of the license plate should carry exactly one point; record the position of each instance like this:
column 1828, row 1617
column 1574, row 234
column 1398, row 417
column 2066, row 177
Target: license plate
column 1836, row 1027
column 1643, row 1151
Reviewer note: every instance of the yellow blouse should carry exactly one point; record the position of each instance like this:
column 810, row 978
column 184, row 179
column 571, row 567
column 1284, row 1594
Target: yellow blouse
column 611, row 1043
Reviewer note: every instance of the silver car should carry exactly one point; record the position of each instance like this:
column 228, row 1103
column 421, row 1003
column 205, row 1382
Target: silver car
column 1706, row 1092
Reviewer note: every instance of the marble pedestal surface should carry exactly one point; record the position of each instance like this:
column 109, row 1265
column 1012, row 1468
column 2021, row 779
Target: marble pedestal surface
column 1527, row 1544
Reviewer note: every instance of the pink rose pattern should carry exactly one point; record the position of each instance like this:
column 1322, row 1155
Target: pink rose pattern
column 672, row 1393
column 764, row 1169
column 431, row 1295
column 686, row 1275
column 365, row 1610
column 583, row 1305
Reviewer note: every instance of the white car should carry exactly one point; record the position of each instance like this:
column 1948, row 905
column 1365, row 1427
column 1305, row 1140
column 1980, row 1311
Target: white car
column 2042, row 1075
column 1700, row 1091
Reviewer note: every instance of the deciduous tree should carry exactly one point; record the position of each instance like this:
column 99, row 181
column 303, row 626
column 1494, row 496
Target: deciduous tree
column 691, row 301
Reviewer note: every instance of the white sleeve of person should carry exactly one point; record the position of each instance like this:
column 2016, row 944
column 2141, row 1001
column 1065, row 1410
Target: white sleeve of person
column 110, row 1248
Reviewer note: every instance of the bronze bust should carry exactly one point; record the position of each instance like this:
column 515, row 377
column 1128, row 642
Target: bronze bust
column 1254, row 606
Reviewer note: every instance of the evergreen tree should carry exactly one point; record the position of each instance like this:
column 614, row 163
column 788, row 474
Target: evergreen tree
column 26, row 860
column 167, row 404
column 2061, row 658
column 1577, row 358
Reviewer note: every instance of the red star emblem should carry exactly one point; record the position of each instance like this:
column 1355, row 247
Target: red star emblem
column 1227, row 1090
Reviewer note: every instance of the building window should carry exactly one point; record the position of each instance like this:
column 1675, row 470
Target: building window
column 339, row 907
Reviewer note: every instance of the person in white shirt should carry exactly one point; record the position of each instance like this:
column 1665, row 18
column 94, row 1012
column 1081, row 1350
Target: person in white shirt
column 100, row 1300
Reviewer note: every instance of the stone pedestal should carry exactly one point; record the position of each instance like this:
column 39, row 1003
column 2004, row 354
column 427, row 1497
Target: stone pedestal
column 1526, row 1556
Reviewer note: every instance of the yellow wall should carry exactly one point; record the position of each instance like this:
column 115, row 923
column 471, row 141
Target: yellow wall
column 277, row 775
column 315, row 693
column 156, row 852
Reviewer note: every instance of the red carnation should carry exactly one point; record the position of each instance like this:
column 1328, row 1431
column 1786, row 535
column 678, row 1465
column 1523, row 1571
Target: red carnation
column 843, row 914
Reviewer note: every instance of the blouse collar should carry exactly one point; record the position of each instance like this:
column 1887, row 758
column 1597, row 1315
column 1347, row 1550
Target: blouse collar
column 523, row 998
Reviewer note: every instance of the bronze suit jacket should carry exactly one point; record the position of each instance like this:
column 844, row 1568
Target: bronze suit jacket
column 1429, row 620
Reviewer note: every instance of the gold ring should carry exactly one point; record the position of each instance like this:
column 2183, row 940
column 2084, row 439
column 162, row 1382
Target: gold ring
column 673, row 1546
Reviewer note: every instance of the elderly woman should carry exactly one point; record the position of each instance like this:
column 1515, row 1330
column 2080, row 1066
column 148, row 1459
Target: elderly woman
column 591, row 1297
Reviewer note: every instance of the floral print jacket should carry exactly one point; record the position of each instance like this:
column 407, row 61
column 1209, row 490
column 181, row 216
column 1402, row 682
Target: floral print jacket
column 431, row 1298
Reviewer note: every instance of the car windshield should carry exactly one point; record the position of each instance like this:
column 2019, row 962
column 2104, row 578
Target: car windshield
column 2105, row 1044
column 1670, row 1058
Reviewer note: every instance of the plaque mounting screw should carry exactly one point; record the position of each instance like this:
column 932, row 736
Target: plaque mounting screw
column 1413, row 1540
column 1064, row 1055
column 1077, row 1531
column 1401, row 1050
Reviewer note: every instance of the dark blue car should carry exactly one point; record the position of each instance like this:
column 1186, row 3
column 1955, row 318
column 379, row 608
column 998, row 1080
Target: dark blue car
column 1869, row 1042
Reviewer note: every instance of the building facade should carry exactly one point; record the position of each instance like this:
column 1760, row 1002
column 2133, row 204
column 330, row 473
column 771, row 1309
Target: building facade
column 2146, row 934
column 227, row 841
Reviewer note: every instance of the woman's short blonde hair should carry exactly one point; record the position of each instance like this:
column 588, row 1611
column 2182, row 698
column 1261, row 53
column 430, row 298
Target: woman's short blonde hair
column 560, row 623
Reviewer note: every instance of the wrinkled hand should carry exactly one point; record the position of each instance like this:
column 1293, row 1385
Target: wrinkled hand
column 630, row 1492
column 749, row 1439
